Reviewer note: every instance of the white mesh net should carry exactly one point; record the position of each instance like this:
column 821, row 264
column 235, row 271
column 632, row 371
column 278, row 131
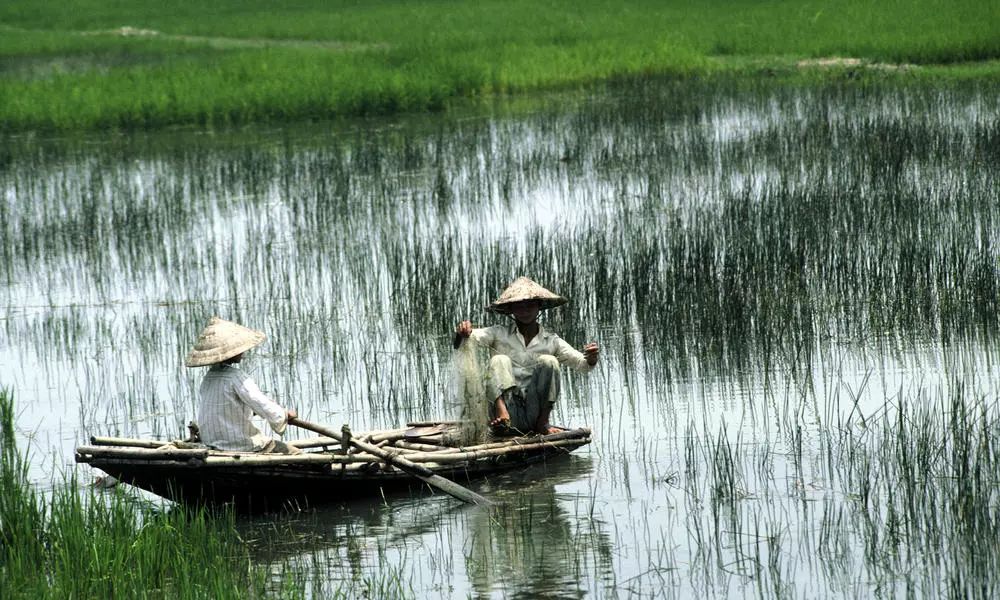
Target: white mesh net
column 470, row 392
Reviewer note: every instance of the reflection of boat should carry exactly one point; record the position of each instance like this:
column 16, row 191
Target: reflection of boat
column 325, row 470
column 537, row 540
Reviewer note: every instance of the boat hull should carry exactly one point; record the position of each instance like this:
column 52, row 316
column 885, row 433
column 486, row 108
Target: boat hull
column 199, row 480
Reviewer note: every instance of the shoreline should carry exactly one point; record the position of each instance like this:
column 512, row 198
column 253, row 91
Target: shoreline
column 772, row 71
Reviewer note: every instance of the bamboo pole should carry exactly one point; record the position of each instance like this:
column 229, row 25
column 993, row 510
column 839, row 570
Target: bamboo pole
column 138, row 465
column 453, row 457
column 316, row 458
column 418, row 471
column 261, row 460
column 420, row 447
column 379, row 436
column 314, row 442
column 320, row 441
column 520, row 440
column 146, row 453
column 130, row 442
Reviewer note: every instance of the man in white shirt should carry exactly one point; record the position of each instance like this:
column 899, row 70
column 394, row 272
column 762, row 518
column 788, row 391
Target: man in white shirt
column 230, row 397
column 524, row 368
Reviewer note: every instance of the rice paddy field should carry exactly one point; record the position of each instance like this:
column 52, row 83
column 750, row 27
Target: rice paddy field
column 794, row 288
column 142, row 64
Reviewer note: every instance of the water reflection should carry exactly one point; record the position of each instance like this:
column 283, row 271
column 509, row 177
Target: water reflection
column 532, row 545
column 538, row 541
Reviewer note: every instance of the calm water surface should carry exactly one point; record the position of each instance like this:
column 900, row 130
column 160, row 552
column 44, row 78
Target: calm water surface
column 773, row 275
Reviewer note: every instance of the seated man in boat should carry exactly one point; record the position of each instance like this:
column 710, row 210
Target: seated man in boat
column 230, row 397
column 525, row 359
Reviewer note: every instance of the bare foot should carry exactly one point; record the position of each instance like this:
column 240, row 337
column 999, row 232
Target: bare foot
column 542, row 424
column 503, row 417
column 547, row 429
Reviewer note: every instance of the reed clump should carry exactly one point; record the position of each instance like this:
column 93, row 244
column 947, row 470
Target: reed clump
column 925, row 482
column 65, row 544
column 909, row 499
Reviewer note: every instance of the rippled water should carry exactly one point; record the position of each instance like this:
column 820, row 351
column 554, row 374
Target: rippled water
column 773, row 274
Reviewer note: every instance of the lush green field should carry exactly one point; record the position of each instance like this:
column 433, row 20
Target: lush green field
column 245, row 61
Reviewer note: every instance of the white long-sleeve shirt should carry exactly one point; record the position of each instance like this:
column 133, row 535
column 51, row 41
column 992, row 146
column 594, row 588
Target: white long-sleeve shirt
column 229, row 398
column 507, row 340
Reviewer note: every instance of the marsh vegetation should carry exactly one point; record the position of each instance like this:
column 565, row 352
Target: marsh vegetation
column 795, row 290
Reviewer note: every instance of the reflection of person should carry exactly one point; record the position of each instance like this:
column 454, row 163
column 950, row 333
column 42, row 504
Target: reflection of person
column 525, row 359
column 230, row 397
column 533, row 544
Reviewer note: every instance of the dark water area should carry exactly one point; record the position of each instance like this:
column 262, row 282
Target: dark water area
column 795, row 292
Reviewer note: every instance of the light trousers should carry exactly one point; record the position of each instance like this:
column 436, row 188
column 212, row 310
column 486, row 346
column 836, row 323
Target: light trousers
column 525, row 403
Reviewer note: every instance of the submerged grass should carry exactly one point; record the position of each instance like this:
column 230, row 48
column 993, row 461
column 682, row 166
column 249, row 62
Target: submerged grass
column 65, row 544
column 910, row 499
column 242, row 62
column 728, row 229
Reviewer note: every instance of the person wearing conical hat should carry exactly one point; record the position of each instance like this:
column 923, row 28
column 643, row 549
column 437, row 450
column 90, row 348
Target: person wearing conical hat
column 230, row 397
column 523, row 377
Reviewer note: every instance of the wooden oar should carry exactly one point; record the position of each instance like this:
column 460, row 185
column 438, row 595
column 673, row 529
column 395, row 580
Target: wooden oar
column 419, row 471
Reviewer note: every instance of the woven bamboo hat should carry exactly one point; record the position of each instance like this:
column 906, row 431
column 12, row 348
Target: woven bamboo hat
column 523, row 290
column 220, row 340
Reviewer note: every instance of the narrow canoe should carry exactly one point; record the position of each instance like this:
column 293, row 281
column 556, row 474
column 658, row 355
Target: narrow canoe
column 325, row 471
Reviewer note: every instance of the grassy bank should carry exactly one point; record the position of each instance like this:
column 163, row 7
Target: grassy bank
column 152, row 64
column 68, row 546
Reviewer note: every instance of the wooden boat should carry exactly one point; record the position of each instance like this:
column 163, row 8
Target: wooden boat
column 326, row 469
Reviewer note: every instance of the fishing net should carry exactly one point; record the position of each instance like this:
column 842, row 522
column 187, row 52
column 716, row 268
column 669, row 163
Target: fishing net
column 471, row 392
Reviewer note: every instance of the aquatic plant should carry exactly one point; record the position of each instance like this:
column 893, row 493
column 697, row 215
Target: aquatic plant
column 71, row 542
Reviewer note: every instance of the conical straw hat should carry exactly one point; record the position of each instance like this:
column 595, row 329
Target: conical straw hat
column 220, row 340
column 524, row 289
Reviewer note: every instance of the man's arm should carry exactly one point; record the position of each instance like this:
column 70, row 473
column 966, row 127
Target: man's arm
column 259, row 402
column 583, row 361
column 465, row 330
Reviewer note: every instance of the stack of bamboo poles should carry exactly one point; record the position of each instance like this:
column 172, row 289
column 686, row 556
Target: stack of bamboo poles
column 433, row 450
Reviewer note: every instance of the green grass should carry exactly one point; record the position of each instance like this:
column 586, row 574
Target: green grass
column 68, row 545
column 242, row 62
